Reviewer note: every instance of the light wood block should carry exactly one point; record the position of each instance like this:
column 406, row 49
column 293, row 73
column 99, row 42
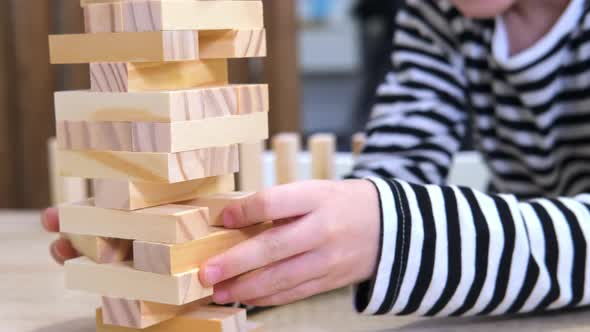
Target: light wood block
column 359, row 140
column 152, row 76
column 63, row 189
column 142, row 314
column 170, row 223
column 138, row 16
column 251, row 176
column 157, row 46
column 286, row 147
column 199, row 134
column 216, row 44
column 323, row 149
column 126, row 195
column 85, row 135
column 252, row 98
column 216, row 203
column 121, row 280
column 161, row 106
column 171, row 259
column 150, row 167
column 101, row 250
column 255, row 327
column 163, row 136
column 205, row 319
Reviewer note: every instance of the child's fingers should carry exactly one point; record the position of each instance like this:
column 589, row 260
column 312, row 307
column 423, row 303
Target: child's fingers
column 50, row 220
column 274, row 245
column 300, row 292
column 62, row 250
column 276, row 278
column 282, row 202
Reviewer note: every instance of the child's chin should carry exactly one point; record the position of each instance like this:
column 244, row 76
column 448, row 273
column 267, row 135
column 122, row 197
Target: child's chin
column 483, row 8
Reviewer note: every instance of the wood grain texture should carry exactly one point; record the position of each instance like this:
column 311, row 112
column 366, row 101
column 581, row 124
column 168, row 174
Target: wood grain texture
column 251, row 176
column 154, row 15
column 171, row 259
column 216, row 203
column 199, row 134
column 149, row 167
column 205, row 319
column 170, row 223
column 156, row 46
column 323, row 149
column 138, row 314
column 161, row 106
column 103, row 136
column 286, row 147
column 153, row 76
column 101, row 250
column 126, row 195
column 232, row 43
column 121, row 280
column 253, row 98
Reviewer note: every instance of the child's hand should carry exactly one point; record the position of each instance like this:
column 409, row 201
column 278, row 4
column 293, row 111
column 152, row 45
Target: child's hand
column 326, row 236
column 60, row 249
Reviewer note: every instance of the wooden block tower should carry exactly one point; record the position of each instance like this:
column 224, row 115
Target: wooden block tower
column 158, row 133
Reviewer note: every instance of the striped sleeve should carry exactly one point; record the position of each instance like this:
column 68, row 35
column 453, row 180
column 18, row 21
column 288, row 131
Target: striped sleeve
column 452, row 251
column 420, row 117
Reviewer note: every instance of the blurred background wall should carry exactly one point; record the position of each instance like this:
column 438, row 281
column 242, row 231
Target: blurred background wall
column 325, row 59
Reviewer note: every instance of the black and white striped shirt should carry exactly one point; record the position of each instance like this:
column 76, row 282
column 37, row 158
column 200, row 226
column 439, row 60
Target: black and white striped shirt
column 456, row 251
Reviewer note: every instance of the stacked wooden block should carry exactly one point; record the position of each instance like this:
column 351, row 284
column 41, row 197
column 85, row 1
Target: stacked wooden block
column 158, row 134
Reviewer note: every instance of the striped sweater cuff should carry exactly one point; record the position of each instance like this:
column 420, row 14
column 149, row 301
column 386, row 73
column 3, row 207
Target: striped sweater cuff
column 370, row 296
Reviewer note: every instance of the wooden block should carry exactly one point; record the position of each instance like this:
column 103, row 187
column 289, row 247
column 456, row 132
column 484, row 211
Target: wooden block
column 199, row 134
column 209, row 318
column 101, row 250
column 251, row 176
column 150, row 167
column 216, row 203
column 254, row 327
column 157, row 46
column 63, row 189
column 252, row 98
column 142, row 314
column 85, row 135
column 160, row 106
column 156, row 15
column 215, row 44
column 165, row 136
column 152, row 76
column 170, row 223
column 121, row 280
column 126, row 195
column 322, row 148
column 286, row 147
column 171, row 259
column 359, row 140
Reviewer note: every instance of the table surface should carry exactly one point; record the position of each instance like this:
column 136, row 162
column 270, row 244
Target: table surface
column 33, row 298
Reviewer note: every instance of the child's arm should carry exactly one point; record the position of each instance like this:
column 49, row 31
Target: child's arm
column 456, row 251
column 420, row 118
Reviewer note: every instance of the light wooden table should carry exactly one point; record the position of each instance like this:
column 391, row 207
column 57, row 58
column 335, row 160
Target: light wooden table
column 33, row 298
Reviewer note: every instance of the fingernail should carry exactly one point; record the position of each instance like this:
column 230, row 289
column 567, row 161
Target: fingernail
column 212, row 275
column 56, row 254
column 221, row 297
